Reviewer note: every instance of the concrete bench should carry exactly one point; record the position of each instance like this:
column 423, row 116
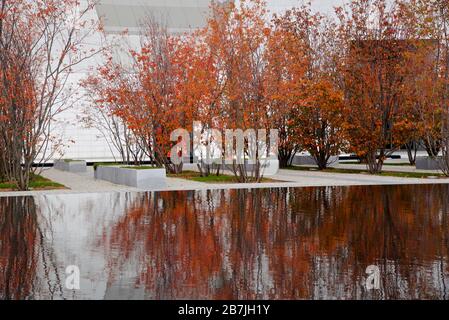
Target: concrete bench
column 305, row 160
column 427, row 163
column 74, row 166
column 137, row 178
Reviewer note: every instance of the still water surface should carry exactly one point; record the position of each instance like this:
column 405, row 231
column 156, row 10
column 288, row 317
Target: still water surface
column 305, row 243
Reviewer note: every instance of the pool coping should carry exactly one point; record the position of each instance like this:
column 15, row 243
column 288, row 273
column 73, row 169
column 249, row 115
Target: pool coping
column 212, row 187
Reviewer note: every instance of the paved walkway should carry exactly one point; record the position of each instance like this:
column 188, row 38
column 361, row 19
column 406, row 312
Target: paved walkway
column 86, row 183
column 316, row 178
column 386, row 167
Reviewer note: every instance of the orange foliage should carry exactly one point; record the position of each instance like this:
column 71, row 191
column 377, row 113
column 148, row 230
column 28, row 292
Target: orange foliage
column 284, row 88
column 375, row 68
column 317, row 120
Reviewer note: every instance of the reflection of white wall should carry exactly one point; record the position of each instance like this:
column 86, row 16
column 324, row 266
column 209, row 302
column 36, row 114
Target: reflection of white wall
column 74, row 228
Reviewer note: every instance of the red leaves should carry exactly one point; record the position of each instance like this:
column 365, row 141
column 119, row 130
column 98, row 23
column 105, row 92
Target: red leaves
column 381, row 68
column 319, row 81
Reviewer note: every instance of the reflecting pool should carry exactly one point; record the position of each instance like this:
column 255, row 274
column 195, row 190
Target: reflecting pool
column 300, row 243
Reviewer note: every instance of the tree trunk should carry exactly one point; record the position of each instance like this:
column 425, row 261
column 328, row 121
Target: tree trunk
column 432, row 147
column 285, row 157
column 412, row 148
column 284, row 161
column 322, row 160
column 374, row 164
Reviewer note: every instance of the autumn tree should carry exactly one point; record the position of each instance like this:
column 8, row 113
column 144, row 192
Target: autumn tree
column 374, row 77
column 422, row 94
column 318, row 118
column 101, row 114
column 41, row 43
column 284, row 87
column 204, row 90
column 238, row 34
column 432, row 22
column 154, row 110
column 147, row 93
column 423, row 86
column 441, row 9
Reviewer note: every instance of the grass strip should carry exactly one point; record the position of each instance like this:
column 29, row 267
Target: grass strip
column 385, row 164
column 37, row 182
column 140, row 167
column 213, row 178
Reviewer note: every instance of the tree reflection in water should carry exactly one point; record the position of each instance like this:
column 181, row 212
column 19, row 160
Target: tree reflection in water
column 310, row 243
column 27, row 264
column 307, row 243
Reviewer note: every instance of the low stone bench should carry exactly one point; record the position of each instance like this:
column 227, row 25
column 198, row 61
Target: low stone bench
column 74, row 166
column 427, row 163
column 137, row 178
column 269, row 167
column 305, row 160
